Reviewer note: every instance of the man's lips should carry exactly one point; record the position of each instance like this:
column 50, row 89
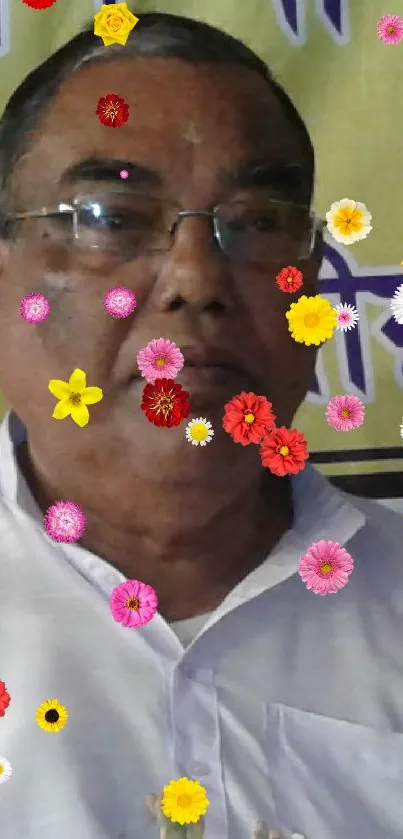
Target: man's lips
column 202, row 367
column 200, row 374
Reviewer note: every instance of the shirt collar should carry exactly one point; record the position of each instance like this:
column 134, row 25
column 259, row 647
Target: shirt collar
column 321, row 511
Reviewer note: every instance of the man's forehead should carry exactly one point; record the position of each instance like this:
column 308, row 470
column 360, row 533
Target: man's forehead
column 235, row 116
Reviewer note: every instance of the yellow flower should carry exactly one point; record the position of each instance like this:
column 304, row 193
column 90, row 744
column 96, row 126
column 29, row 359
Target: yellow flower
column 311, row 320
column 348, row 221
column 184, row 801
column 74, row 397
column 51, row 715
column 113, row 23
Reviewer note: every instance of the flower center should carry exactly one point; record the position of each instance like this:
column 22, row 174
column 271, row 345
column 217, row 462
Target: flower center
column 345, row 413
column 184, row 801
column 75, row 398
column 52, row 715
column 198, row 432
column 311, row 319
column 1, row 769
column 112, row 111
column 289, row 279
column 391, row 29
column 326, row 568
column 249, row 418
column 132, row 603
column 165, row 404
column 160, row 361
column 114, row 22
column 284, row 451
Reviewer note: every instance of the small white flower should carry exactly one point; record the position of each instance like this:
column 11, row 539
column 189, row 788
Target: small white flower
column 5, row 770
column 396, row 304
column 348, row 221
column 199, row 432
column 347, row 316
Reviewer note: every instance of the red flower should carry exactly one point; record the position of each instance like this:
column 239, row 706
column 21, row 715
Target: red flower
column 165, row 403
column 5, row 699
column 247, row 418
column 284, row 451
column 39, row 4
column 289, row 279
column 112, row 110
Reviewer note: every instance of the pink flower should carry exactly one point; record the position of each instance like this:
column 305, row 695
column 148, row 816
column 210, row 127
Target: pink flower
column 325, row 568
column 347, row 316
column 344, row 413
column 133, row 603
column 120, row 302
column 124, row 174
column 161, row 358
column 390, row 29
column 34, row 308
column 65, row 521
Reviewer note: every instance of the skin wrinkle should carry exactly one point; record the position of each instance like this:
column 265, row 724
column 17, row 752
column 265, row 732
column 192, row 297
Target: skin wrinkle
column 158, row 509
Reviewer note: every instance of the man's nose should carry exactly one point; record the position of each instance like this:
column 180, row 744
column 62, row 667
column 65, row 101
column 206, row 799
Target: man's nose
column 196, row 272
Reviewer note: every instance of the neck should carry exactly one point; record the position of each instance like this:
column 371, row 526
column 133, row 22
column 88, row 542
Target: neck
column 193, row 547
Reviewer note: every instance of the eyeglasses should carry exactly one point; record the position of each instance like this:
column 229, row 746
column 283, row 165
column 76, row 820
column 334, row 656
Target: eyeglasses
column 255, row 229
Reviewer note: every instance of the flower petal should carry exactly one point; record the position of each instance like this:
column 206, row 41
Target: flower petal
column 59, row 389
column 80, row 414
column 77, row 381
column 62, row 409
column 91, row 395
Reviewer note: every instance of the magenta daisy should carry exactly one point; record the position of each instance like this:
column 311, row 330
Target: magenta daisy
column 390, row 29
column 160, row 358
column 325, row 568
column 120, row 302
column 347, row 316
column 34, row 308
column 133, row 603
column 65, row 521
column 344, row 413
column 124, row 174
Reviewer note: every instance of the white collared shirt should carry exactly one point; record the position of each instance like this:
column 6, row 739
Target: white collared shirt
column 287, row 707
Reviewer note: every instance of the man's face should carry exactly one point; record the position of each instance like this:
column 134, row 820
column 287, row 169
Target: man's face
column 196, row 127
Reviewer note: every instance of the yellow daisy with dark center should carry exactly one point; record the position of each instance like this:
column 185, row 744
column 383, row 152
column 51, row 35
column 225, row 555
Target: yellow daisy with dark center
column 51, row 715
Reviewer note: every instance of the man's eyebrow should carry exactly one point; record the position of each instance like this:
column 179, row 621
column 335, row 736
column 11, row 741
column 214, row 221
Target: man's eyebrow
column 287, row 178
column 108, row 169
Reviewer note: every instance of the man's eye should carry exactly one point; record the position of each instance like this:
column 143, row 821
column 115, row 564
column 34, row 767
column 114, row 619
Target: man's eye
column 261, row 223
column 114, row 220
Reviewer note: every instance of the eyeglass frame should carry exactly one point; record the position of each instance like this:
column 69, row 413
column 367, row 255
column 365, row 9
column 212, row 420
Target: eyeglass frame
column 318, row 223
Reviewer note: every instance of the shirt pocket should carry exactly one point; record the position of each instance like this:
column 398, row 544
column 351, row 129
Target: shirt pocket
column 332, row 779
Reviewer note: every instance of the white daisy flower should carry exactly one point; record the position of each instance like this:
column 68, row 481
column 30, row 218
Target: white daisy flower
column 401, row 429
column 5, row 770
column 396, row 304
column 347, row 316
column 348, row 221
column 199, row 432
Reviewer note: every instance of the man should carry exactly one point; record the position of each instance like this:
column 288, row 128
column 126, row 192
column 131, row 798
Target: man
column 287, row 707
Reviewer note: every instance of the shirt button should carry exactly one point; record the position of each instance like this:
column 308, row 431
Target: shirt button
column 188, row 671
column 200, row 770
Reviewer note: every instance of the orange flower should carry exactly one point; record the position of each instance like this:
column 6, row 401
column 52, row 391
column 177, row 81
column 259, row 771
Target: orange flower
column 247, row 418
column 284, row 451
column 289, row 279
